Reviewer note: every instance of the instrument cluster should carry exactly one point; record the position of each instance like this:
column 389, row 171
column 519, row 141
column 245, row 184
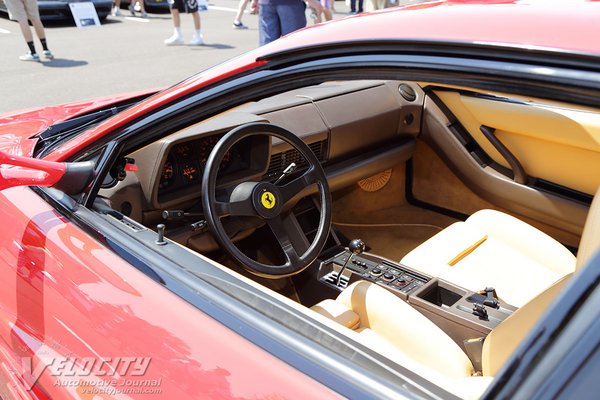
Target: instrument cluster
column 186, row 162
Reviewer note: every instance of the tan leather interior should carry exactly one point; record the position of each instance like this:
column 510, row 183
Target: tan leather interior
column 494, row 249
column 504, row 339
column 338, row 312
column 527, row 267
column 557, row 143
column 392, row 327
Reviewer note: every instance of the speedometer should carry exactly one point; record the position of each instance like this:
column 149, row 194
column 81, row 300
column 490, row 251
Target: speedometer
column 206, row 146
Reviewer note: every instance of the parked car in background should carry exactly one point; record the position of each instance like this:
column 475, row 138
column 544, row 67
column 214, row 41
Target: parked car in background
column 58, row 10
column 403, row 204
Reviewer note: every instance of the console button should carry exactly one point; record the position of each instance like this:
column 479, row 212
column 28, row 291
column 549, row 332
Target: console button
column 376, row 272
column 400, row 283
column 388, row 277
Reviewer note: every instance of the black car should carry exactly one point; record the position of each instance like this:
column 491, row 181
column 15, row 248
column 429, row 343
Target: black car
column 56, row 10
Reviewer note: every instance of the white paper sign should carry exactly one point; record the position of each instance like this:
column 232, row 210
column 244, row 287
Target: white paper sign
column 84, row 14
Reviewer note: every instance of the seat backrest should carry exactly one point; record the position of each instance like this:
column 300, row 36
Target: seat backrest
column 505, row 338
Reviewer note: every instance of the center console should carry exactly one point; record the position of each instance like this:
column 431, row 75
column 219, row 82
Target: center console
column 369, row 267
column 461, row 313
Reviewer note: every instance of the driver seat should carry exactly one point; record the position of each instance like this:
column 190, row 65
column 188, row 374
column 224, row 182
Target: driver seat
column 383, row 322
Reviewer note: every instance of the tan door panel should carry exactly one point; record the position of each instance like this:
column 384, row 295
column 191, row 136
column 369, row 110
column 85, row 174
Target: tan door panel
column 558, row 144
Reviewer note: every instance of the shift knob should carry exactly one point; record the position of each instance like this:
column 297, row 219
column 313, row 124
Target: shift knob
column 356, row 246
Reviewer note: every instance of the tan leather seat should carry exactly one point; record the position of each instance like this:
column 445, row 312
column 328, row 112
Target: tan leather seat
column 393, row 328
column 390, row 326
column 492, row 248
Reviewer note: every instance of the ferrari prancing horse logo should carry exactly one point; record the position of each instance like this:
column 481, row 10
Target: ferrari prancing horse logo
column 267, row 200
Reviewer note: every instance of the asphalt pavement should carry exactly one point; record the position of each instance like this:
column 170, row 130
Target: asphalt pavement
column 125, row 54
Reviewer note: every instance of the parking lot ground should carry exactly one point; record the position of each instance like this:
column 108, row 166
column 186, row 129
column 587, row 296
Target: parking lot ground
column 124, row 54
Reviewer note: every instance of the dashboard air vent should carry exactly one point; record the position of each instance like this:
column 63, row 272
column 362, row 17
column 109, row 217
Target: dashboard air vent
column 280, row 161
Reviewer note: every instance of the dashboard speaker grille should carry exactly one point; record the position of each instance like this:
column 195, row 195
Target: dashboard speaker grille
column 280, row 161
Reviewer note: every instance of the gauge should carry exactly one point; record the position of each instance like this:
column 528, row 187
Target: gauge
column 184, row 151
column 167, row 175
column 190, row 172
column 206, row 146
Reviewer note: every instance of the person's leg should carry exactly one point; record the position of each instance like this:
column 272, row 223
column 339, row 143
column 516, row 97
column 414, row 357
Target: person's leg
column 237, row 21
column 360, row 6
column 192, row 8
column 352, row 6
column 176, row 18
column 196, row 18
column 326, row 4
column 116, row 10
column 177, row 37
column 26, row 31
column 41, row 34
column 292, row 17
column 269, row 26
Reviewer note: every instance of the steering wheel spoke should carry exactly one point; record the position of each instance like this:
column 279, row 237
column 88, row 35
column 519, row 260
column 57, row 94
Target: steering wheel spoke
column 296, row 186
column 280, row 232
column 234, row 208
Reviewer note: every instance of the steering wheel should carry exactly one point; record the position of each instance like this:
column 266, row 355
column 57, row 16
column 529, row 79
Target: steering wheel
column 269, row 202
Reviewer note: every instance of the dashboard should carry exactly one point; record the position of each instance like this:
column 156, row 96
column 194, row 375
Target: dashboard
column 344, row 138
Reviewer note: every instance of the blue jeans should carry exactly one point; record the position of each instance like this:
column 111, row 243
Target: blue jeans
column 276, row 20
column 353, row 6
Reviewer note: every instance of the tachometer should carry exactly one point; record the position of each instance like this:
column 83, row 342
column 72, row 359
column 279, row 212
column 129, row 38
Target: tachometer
column 206, row 146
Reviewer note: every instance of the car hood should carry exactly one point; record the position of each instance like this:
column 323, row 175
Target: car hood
column 18, row 129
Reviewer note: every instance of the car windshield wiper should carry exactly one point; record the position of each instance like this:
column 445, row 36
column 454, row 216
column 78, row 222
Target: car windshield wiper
column 72, row 127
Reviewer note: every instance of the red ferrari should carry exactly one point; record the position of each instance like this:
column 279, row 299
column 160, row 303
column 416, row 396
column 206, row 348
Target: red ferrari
column 393, row 205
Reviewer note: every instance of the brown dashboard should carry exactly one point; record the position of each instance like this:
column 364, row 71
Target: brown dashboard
column 356, row 129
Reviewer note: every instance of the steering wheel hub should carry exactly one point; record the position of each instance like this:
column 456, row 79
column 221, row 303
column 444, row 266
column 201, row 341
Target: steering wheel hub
column 266, row 199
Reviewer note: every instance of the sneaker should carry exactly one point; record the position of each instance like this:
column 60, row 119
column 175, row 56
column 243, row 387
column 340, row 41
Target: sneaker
column 29, row 57
column 116, row 12
column 144, row 14
column 174, row 40
column 131, row 10
column 196, row 40
column 239, row 25
column 48, row 54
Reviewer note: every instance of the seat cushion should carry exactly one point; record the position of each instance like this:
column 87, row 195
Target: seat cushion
column 337, row 312
column 409, row 331
column 494, row 249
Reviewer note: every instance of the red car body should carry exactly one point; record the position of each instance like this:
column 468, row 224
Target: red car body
column 65, row 294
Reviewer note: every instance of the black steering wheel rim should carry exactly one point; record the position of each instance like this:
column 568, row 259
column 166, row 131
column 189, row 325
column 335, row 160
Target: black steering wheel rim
column 214, row 210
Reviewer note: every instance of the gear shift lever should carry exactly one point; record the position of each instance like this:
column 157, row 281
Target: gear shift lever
column 356, row 247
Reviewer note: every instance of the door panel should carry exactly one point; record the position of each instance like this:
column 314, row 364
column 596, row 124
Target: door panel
column 556, row 143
